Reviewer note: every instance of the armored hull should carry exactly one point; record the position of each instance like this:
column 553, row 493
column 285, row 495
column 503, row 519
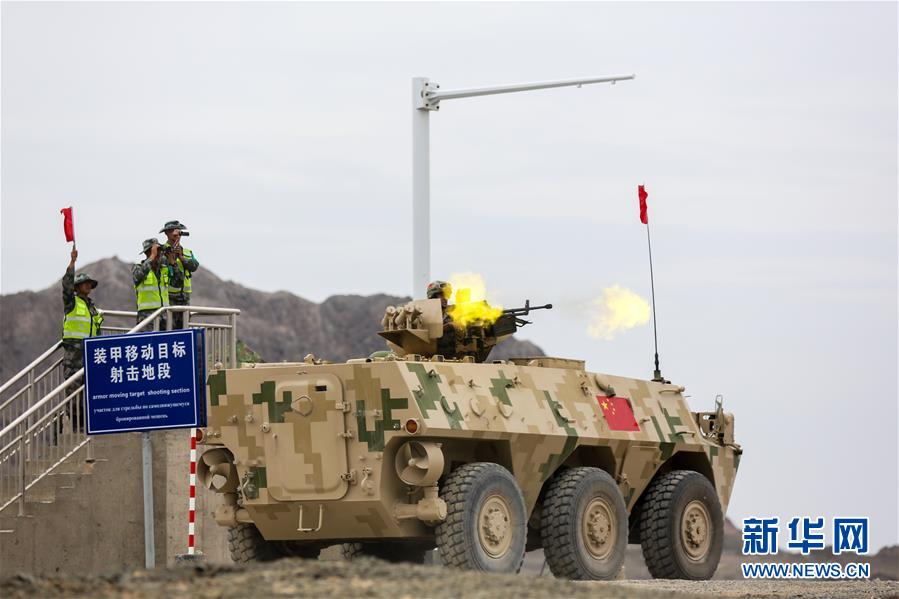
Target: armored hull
column 313, row 454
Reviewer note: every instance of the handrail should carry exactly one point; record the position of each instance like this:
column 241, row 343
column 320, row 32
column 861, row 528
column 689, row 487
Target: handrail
column 46, row 399
column 25, row 370
column 24, row 415
column 37, row 379
column 36, row 434
column 117, row 312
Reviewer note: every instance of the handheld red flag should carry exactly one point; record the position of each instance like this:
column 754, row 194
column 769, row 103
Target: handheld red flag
column 618, row 414
column 641, row 193
column 68, row 223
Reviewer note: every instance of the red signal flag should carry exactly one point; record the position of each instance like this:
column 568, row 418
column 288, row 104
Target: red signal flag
column 68, row 223
column 641, row 193
column 618, row 414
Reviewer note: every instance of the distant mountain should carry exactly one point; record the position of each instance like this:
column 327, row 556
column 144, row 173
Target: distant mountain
column 279, row 326
column 283, row 326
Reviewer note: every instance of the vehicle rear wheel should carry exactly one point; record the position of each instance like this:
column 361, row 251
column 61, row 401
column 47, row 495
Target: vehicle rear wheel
column 486, row 524
column 247, row 545
column 584, row 525
column 681, row 526
column 412, row 553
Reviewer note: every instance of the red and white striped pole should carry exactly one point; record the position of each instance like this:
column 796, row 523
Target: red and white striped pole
column 192, row 503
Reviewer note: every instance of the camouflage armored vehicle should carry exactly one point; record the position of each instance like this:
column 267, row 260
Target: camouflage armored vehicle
column 409, row 449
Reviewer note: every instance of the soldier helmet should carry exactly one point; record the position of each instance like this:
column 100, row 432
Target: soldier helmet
column 148, row 243
column 172, row 224
column 438, row 289
column 85, row 278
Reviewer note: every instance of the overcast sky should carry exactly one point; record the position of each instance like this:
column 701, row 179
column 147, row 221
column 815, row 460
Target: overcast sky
column 281, row 134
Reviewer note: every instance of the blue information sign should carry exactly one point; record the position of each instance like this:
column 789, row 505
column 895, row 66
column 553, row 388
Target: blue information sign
column 145, row 381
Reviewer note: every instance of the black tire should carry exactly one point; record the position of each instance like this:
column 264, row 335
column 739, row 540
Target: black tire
column 584, row 525
column 486, row 523
column 411, row 553
column 681, row 526
column 247, row 545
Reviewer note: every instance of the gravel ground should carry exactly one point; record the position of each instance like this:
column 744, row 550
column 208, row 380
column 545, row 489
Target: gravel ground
column 856, row 589
column 373, row 578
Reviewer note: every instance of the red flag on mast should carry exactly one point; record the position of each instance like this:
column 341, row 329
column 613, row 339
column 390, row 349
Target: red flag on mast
column 68, row 223
column 641, row 193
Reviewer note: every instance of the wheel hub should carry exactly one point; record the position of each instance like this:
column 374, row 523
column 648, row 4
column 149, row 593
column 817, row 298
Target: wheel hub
column 599, row 530
column 696, row 530
column 495, row 526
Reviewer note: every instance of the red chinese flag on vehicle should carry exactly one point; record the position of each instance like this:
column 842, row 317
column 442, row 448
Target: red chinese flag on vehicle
column 641, row 193
column 618, row 413
column 68, row 223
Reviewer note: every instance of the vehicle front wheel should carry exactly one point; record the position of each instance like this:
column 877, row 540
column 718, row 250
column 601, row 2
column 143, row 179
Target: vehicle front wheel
column 681, row 526
column 486, row 524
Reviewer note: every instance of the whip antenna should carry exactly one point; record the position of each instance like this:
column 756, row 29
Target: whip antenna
column 644, row 218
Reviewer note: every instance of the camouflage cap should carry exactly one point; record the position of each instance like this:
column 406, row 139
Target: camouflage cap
column 85, row 278
column 172, row 224
column 438, row 289
column 148, row 243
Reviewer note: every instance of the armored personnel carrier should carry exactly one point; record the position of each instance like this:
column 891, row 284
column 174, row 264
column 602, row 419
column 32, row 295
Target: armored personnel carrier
column 411, row 449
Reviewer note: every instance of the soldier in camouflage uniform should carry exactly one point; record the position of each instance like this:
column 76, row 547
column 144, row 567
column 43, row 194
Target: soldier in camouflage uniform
column 82, row 320
column 446, row 345
column 181, row 259
column 152, row 279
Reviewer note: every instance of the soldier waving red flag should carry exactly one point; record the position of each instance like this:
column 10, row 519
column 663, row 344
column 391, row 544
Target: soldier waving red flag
column 641, row 193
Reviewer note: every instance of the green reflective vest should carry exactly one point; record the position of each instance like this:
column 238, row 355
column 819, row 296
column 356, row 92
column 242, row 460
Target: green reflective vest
column 187, row 256
column 80, row 323
column 153, row 291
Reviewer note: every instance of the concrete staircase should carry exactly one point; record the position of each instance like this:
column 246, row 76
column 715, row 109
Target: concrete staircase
column 82, row 506
column 87, row 517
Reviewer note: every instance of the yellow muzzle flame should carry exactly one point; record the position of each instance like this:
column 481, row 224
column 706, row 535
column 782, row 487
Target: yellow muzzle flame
column 617, row 310
column 469, row 301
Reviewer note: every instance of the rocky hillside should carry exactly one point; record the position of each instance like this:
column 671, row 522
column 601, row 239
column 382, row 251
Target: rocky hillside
column 278, row 326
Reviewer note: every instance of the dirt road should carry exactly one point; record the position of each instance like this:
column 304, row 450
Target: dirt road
column 372, row 578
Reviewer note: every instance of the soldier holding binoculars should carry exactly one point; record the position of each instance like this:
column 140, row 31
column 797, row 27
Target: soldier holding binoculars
column 182, row 260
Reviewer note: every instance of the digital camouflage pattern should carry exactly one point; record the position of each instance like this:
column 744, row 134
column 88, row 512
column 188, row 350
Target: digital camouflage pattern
column 314, row 444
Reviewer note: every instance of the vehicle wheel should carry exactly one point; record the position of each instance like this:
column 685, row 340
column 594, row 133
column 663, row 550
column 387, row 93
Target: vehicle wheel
column 681, row 526
column 486, row 524
column 413, row 553
column 584, row 525
column 247, row 545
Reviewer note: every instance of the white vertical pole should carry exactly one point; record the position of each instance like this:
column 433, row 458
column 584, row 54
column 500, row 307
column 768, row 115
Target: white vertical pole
column 149, row 524
column 421, row 192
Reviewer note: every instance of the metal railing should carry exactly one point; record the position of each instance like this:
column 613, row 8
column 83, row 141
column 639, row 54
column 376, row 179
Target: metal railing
column 42, row 416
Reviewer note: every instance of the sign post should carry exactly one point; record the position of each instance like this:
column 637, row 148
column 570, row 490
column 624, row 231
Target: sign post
column 143, row 382
column 146, row 448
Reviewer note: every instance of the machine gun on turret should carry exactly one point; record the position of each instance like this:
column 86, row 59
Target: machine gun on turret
column 478, row 339
column 419, row 328
column 517, row 313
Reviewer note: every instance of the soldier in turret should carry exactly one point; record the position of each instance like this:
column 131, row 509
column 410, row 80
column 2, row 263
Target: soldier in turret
column 446, row 345
column 82, row 320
